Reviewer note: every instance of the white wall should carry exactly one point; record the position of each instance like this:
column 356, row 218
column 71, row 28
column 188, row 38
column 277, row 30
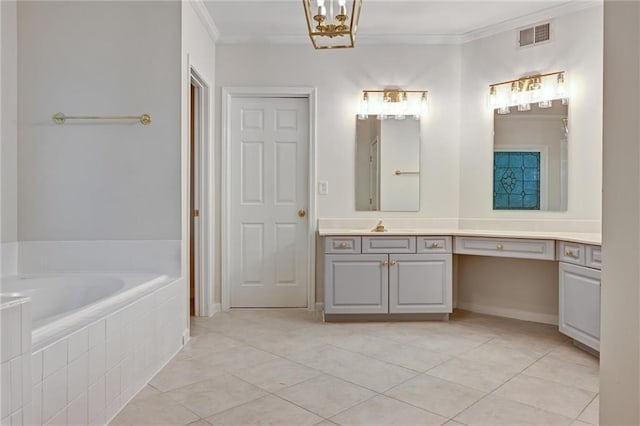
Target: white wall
column 620, row 325
column 8, row 121
column 576, row 48
column 340, row 76
column 99, row 181
column 198, row 53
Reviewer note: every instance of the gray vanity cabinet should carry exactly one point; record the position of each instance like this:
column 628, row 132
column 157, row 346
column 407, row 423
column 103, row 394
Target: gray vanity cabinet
column 420, row 283
column 390, row 275
column 356, row 284
column 579, row 298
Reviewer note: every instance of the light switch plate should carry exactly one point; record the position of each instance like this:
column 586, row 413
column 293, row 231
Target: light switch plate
column 323, row 187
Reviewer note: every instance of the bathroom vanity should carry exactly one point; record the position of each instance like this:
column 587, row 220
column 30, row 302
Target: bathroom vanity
column 384, row 275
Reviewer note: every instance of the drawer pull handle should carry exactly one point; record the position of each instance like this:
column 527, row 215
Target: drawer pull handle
column 343, row 245
column 385, row 263
column 499, row 247
column 393, row 262
column 435, row 245
column 569, row 253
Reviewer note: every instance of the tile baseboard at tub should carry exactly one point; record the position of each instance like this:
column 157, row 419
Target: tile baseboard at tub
column 161, row 256
column 9, row 258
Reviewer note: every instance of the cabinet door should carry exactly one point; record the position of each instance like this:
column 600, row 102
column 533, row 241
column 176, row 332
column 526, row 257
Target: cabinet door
column 580, row 304
column 356, row 284
column 420, row 283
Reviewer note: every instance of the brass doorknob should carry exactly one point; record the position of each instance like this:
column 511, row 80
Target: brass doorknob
column 302, row 213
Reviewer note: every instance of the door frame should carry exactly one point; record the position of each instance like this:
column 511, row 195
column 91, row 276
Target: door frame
column 228, row 94
column 203, row 247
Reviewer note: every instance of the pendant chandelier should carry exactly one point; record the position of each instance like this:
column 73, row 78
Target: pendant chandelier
column 332, row 24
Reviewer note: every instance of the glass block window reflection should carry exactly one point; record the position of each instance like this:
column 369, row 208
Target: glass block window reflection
column 516, row 180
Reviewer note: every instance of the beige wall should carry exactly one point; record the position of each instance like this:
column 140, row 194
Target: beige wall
column 99, row 181
column 620, row 326
column 518, row 288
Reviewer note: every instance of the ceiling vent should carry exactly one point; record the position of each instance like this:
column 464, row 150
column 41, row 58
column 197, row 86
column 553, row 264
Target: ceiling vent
column 535, row 35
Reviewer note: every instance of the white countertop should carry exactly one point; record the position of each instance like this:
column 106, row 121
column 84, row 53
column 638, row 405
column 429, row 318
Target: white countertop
column 574, row 237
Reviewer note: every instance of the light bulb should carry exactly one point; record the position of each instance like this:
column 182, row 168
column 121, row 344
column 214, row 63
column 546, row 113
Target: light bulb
column 504, row 110
column 515, row 90
column 492, row 97
column 423, row 103
column 342, row 3
column 524, row 107
column 545, row 104
column 320, row 3
column 363, row 111
column 560, row 86
column 402, row 108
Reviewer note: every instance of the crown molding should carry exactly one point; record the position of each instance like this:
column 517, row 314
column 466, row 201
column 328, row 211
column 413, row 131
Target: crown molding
column 533, row 18
column 422, row 39
column 205, row 17
column 360, row 39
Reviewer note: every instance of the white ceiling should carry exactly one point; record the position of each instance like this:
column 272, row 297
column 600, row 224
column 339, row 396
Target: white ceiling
column 386, row 20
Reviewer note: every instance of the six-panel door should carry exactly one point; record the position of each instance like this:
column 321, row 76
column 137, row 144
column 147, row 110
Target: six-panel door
column 356, row 284
column 420, row 283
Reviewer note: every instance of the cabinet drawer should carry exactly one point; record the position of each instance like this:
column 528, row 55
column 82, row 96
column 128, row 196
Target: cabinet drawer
column 571, row 253
column 395, row 244
column 348, row 245
column 594, row 257
column 506, row 247
column 434, row 245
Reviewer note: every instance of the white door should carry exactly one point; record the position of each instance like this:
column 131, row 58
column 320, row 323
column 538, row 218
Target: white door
column 269, row 185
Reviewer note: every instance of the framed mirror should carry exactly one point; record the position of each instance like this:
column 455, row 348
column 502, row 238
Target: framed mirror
column 530, row 158
column 387, row 164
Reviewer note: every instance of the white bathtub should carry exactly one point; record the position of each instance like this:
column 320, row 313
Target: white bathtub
column 62, row 303
column 98, row 338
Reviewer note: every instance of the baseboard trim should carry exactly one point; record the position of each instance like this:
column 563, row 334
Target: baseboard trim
column 509, row 313
column 214, row 308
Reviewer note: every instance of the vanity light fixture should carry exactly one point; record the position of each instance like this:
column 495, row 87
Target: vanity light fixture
column 393, row 103
column 334, row 28
column 539, row 89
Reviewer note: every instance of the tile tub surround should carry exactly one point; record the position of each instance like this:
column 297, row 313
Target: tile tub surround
column 288, row 367
column 15, row 361
column 88, row 376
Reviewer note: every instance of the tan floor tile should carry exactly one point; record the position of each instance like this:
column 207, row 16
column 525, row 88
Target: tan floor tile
column 497, row 411
column 474, row 374
column 448, row 343
column 436, row 395
column 146, row 392
column 580, row 423
column 269, row 410
column 236, row 358
column 356, row 368
column 569, row 353
column 212, row 396
column 183, row 372
column 326, row 395
column 382, row 410
column 498, row 353
column 201, row 422
column 325, row 423
column 206, row 344
column 592, row 412
column 550, row 396
column 406, row 356
column 154, row 410
column 568, row 373
column 275, row 375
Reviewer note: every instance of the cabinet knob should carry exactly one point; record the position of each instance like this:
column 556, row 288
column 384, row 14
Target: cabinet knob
column 343, row 245
column 393, row 262
column 569, row 253
column 435, row 245
column 499, row 247
column 385, row 262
